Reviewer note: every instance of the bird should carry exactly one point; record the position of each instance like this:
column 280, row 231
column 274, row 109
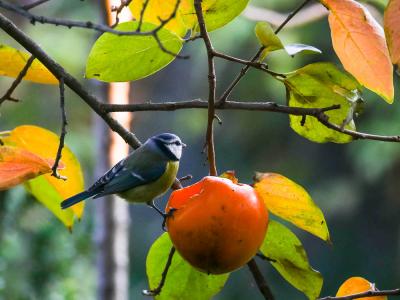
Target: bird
column 146, row 173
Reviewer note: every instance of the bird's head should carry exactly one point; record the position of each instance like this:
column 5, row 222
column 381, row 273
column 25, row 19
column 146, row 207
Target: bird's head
column 168, row 144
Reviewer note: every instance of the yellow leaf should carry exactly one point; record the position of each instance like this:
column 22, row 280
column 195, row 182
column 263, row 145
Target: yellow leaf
column 359, row 41
column 356, row 285
column 18, row 165
column 45, row 143
column 391, row 23
column 12, row 61
column 160, row 9
column 291, row 202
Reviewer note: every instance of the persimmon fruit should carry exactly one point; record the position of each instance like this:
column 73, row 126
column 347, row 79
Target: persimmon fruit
column 356, row 285
column 216, row 225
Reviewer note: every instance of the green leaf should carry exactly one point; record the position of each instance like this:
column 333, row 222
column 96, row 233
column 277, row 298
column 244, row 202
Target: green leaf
column 125, row 58
column 293, row 49
column 321, row 85
column 217, row 13
column 267, row 37
column 290, row 259
column 183, row 282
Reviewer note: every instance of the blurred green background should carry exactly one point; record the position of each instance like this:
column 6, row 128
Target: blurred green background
column 356, row 185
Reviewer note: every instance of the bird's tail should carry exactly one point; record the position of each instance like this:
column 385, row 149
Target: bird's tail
column 76, row 199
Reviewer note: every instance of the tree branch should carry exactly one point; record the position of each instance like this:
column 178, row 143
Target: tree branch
column 64, row 124
column 17, row 81
column 395, row 292
column 244, row 70
column 260, row 280
column 34, row 4
column 118, row 10
column 212, row 82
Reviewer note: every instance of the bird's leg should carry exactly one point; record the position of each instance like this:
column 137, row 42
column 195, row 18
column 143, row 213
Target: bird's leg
column 151, row 204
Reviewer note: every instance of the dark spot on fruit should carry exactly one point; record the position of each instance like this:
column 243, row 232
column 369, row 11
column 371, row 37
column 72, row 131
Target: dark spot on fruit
column 223, row 208
column 96, row 74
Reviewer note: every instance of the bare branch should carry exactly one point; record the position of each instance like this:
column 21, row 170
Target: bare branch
column 395, row 292
column 64, row 124
column 307, row 15
column 118, row 10
column 324, row 119
column 256, row 65
column 244, row 70
column 142, row 14
column 17, row 81
column 260, row 280
column 228, row 105
column 34, row 4
column 212, row 83
column 291, row 15
column 158, row 289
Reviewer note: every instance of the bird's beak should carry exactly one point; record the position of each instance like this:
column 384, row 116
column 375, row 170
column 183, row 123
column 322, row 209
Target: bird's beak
column 184, row 145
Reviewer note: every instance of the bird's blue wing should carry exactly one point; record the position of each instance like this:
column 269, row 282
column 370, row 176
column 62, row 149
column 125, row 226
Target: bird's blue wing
column 128, row 176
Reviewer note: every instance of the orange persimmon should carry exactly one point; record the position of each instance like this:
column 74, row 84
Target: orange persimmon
column 216, row 225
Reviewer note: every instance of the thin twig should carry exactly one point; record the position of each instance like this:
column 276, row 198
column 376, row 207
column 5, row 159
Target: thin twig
column 324, row 119
column 118, row 10
column 244, row 70
column 157, row 290
column 395, row 292
column 34, row 4
column 64, row 124
column 291, row 15
column 260, row 280
column 211, row 87
column 257, row 65
column 17, row 81
column 142, row 14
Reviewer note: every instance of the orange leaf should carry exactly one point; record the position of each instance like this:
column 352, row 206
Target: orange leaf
column 356, row 285
column 18, row 165
column 48, row 189
column 391, row 23
column 359, row 41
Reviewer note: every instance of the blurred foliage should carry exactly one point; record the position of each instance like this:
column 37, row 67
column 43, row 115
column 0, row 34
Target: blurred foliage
column 355, row 184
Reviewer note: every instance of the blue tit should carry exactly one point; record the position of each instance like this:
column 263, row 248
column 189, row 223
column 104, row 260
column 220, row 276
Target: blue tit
column 146, row 173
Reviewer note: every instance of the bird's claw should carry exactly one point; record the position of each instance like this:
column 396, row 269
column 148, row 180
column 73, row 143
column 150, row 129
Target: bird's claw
column 167, row 215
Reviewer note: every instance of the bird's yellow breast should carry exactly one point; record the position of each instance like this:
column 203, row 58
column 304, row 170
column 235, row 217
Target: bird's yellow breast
column 147, row 192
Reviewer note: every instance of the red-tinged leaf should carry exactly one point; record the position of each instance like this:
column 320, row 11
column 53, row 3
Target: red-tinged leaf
column 391, row 23
column 359, row 41
column 19, row 165
column 48, row 189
